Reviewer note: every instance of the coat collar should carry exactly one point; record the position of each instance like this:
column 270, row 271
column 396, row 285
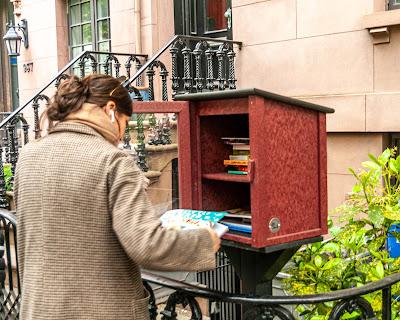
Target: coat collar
column 67, row 126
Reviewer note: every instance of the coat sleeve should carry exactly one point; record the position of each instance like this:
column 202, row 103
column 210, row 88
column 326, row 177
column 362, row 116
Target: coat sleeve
column 139, row 230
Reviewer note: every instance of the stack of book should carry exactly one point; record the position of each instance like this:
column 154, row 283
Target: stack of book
column 239, row 159
column 237, row 220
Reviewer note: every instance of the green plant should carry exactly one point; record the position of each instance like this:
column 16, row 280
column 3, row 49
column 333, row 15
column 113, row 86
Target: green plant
column 7, row 176
column 355, row 255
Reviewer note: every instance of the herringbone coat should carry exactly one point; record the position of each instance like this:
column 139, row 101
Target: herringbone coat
column 85, row 227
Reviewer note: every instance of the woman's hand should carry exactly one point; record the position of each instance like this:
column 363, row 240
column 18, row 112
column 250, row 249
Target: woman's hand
column 215, row 239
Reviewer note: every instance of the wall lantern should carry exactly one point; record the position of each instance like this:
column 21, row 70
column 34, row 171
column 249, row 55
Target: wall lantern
column 13, row 40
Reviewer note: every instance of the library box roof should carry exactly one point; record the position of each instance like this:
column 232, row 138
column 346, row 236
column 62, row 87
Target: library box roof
column 242, row 93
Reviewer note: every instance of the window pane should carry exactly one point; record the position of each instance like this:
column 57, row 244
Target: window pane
column 193, row 16
column 102, row 8
column 103, row 30
column 76, row 37
column 86, row 12
column 88, row 47
column 76, row 51
column 75, row 15
column 87, row 33
column 215, row 19
column 105, row 47
column 74, row 2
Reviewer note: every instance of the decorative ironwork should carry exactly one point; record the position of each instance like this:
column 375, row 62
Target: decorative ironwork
column 138, row 64
column 231, row 66
column 10, row 282
column 210, row 69
column 109, row 63
column 13, row 147
column 174, row 69
column 140, row 147
column 35, row 106
column 152, row 301
column 181, row 298
column 63, row 76
column 187, row 78
column 221, row 56
column 197, row 52
column 150, row 77
column 3, row 189
column 82, row 64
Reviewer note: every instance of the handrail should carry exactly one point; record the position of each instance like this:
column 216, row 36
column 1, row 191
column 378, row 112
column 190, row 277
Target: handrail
column 9, row 215
column 66, row 67
column 166, row 46
column 270, row 300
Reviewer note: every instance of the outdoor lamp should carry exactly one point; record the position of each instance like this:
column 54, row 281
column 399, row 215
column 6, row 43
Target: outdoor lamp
column 13, row 39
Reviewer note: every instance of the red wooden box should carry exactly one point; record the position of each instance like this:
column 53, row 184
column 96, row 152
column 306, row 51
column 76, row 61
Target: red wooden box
column 286, row 188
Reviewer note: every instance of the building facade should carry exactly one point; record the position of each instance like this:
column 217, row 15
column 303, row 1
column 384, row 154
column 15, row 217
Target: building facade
column 341, row 54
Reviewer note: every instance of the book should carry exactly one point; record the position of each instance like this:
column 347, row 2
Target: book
column 241, row 152
column 239, row 157
column 236, row 162
column 192, row 219
column 238, row 213
column 235, row 140
column 237, row 172
column 237, row 168
column 237, row 226
column 241, row 147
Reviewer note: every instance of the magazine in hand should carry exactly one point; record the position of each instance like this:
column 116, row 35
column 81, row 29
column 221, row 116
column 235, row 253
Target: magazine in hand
column 191, row 219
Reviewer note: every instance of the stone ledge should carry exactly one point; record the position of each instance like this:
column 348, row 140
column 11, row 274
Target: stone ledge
column 378, row 24
column 161, row 147
column 381, row 19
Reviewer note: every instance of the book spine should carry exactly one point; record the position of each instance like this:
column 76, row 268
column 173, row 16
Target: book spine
column 236, row 162
column 237, row 172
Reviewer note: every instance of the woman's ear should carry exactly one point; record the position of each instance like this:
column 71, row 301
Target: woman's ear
column 110, row 105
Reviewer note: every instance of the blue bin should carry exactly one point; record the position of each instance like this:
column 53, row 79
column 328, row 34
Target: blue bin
column 392, row 244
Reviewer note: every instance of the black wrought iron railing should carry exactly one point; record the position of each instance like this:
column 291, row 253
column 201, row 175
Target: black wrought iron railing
column 187, row 295
column 197, row 64
column 269, row 307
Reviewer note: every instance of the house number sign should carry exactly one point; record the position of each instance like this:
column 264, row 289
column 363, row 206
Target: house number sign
column 28, row 67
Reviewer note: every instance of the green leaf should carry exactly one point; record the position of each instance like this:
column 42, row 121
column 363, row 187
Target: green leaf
column 331, row 264
column 376, row 216
column 373, row 158
column 318, row 261
column 323, row 287
column 332, row 247
column 357, row 188
column 391, row 213
column 384, row 157
column 371, row 165
column 353, row 172
column 380, row 272
column 334, row 231
column 393, row 166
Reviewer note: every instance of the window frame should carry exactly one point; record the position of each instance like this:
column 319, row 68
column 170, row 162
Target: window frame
column 393, row 5
column 94, row 24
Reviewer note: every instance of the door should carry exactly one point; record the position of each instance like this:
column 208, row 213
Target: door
column 203, row 18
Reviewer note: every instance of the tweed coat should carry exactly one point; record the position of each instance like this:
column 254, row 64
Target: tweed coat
column 85, row 227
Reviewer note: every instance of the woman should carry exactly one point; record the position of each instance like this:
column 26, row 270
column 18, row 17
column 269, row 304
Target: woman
column 85, row 224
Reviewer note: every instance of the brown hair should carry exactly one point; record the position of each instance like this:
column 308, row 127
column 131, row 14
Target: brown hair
column 96, row 88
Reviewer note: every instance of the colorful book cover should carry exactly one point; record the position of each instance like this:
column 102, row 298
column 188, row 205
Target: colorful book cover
column 190, row 219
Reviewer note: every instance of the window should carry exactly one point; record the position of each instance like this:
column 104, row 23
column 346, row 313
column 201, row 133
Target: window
column 393, row 4
column 89, row 26
column 205, row 18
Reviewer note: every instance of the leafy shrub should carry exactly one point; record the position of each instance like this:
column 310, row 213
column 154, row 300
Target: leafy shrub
column 356, row 253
